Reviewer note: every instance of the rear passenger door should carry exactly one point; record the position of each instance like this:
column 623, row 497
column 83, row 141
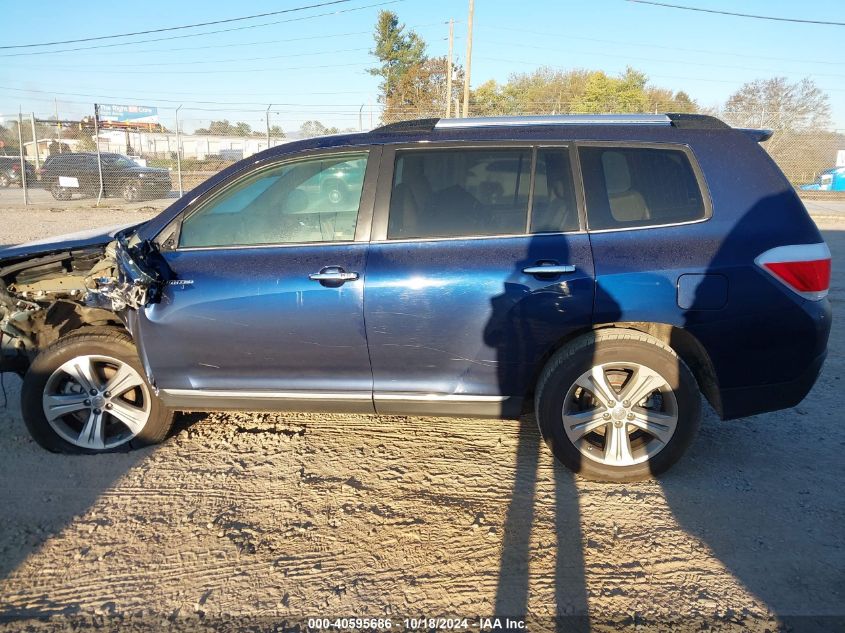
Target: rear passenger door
column 651, row 265
column 478, row 265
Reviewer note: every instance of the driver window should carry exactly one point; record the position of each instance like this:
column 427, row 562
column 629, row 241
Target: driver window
column 311, row 200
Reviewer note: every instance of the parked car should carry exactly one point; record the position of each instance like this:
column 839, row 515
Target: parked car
column 829, row 180
column 78, row 173
column 342, row 182
column 601, row 272
column 10, row 172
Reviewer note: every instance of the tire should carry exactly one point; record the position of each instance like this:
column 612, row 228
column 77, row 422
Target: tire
column 110, row 357
column 630, row 440
column 4, row 181
column 131, row 191
column 59, row 192
column 335, row 191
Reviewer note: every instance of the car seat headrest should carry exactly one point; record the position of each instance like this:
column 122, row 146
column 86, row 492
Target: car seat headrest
column 617, row 177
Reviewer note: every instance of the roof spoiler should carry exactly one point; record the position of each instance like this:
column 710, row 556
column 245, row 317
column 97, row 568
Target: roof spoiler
column 759, row 135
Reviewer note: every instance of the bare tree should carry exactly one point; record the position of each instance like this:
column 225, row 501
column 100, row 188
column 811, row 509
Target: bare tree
column 798, row 113
column 779, row 105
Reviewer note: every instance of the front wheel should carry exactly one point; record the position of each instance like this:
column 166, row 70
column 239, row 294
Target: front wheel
column 131, row 191
column 87, row 393
column 617, row 405
column 334, row 191
column 4, row 181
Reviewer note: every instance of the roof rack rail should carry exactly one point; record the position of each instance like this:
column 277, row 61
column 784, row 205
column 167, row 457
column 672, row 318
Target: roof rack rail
column 556, row 119
column 673, row 119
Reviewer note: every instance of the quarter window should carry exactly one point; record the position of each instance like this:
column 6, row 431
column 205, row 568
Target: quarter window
column 311, row 200
column 455, row 193
column 629, row 187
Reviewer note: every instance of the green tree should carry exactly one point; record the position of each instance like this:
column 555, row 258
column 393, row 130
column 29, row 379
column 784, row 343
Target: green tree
column 310, row 129
column 224, row 128
column 397, row 52
column 86, row 143
column 421, row 92
column 613, row 94
column 552, row 91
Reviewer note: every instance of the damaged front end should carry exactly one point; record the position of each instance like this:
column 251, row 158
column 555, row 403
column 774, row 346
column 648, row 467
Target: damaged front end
column 43, row 298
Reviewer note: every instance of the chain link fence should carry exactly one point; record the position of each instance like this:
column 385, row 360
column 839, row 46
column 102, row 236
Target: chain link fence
column 85, row 162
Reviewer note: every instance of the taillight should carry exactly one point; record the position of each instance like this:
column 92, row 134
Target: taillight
column 803, row 268
column 16, row 167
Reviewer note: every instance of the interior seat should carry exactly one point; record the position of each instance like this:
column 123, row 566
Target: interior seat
column 626, row 203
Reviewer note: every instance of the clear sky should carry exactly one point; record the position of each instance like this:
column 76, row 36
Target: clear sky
column 314, row 67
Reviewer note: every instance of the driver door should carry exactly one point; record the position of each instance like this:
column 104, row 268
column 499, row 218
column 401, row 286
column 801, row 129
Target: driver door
column 267, row 304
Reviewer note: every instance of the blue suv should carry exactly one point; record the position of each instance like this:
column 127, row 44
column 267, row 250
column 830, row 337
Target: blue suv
column 601, row 272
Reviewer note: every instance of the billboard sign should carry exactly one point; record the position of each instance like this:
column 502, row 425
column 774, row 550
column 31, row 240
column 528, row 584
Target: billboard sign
column 128, row 114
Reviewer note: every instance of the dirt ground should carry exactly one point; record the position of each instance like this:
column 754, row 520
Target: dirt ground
column 266, row 520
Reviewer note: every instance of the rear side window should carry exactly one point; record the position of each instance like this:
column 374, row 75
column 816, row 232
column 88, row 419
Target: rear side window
column 629, row 187
column 457, row 193
column 554, row 207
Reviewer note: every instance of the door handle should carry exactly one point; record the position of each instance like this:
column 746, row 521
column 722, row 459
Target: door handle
column 549, row 269
column 333, row 274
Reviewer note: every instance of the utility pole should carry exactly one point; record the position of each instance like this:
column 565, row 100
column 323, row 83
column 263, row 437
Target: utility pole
column 34, row 139
column 361, row 118
column 58, row 125
column 449, row 69
column 267, row 118
column 23, row 161
column 178, row 152
column 469, row 57
column 97, row 145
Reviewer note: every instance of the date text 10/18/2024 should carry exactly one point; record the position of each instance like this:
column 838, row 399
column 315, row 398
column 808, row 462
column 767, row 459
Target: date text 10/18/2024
column 414, row 624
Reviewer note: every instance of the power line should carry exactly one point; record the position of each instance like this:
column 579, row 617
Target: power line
column 149, row 51
column 738, row 15
column 236, row 28
column 664, row 61
column 212, row 61
column 206, row 72
column 686, row 77
column 179, row 28
column 98, row 96
column 270, row 95
column 667, row 48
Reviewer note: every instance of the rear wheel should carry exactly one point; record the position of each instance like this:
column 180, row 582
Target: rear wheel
column 617, row 405
column 87, row 393
column 59, row 192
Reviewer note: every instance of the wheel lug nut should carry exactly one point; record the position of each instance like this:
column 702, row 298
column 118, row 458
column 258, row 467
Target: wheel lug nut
column 606, row 416
column 107, row 394
column 625, row 403
column 93, row 392
column 87, row 403
column 97, row 411
column 111, row 406
column 630, row 416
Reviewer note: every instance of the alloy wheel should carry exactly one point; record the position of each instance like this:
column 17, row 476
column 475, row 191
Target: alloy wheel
column 620, row 414
column 96, row 402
